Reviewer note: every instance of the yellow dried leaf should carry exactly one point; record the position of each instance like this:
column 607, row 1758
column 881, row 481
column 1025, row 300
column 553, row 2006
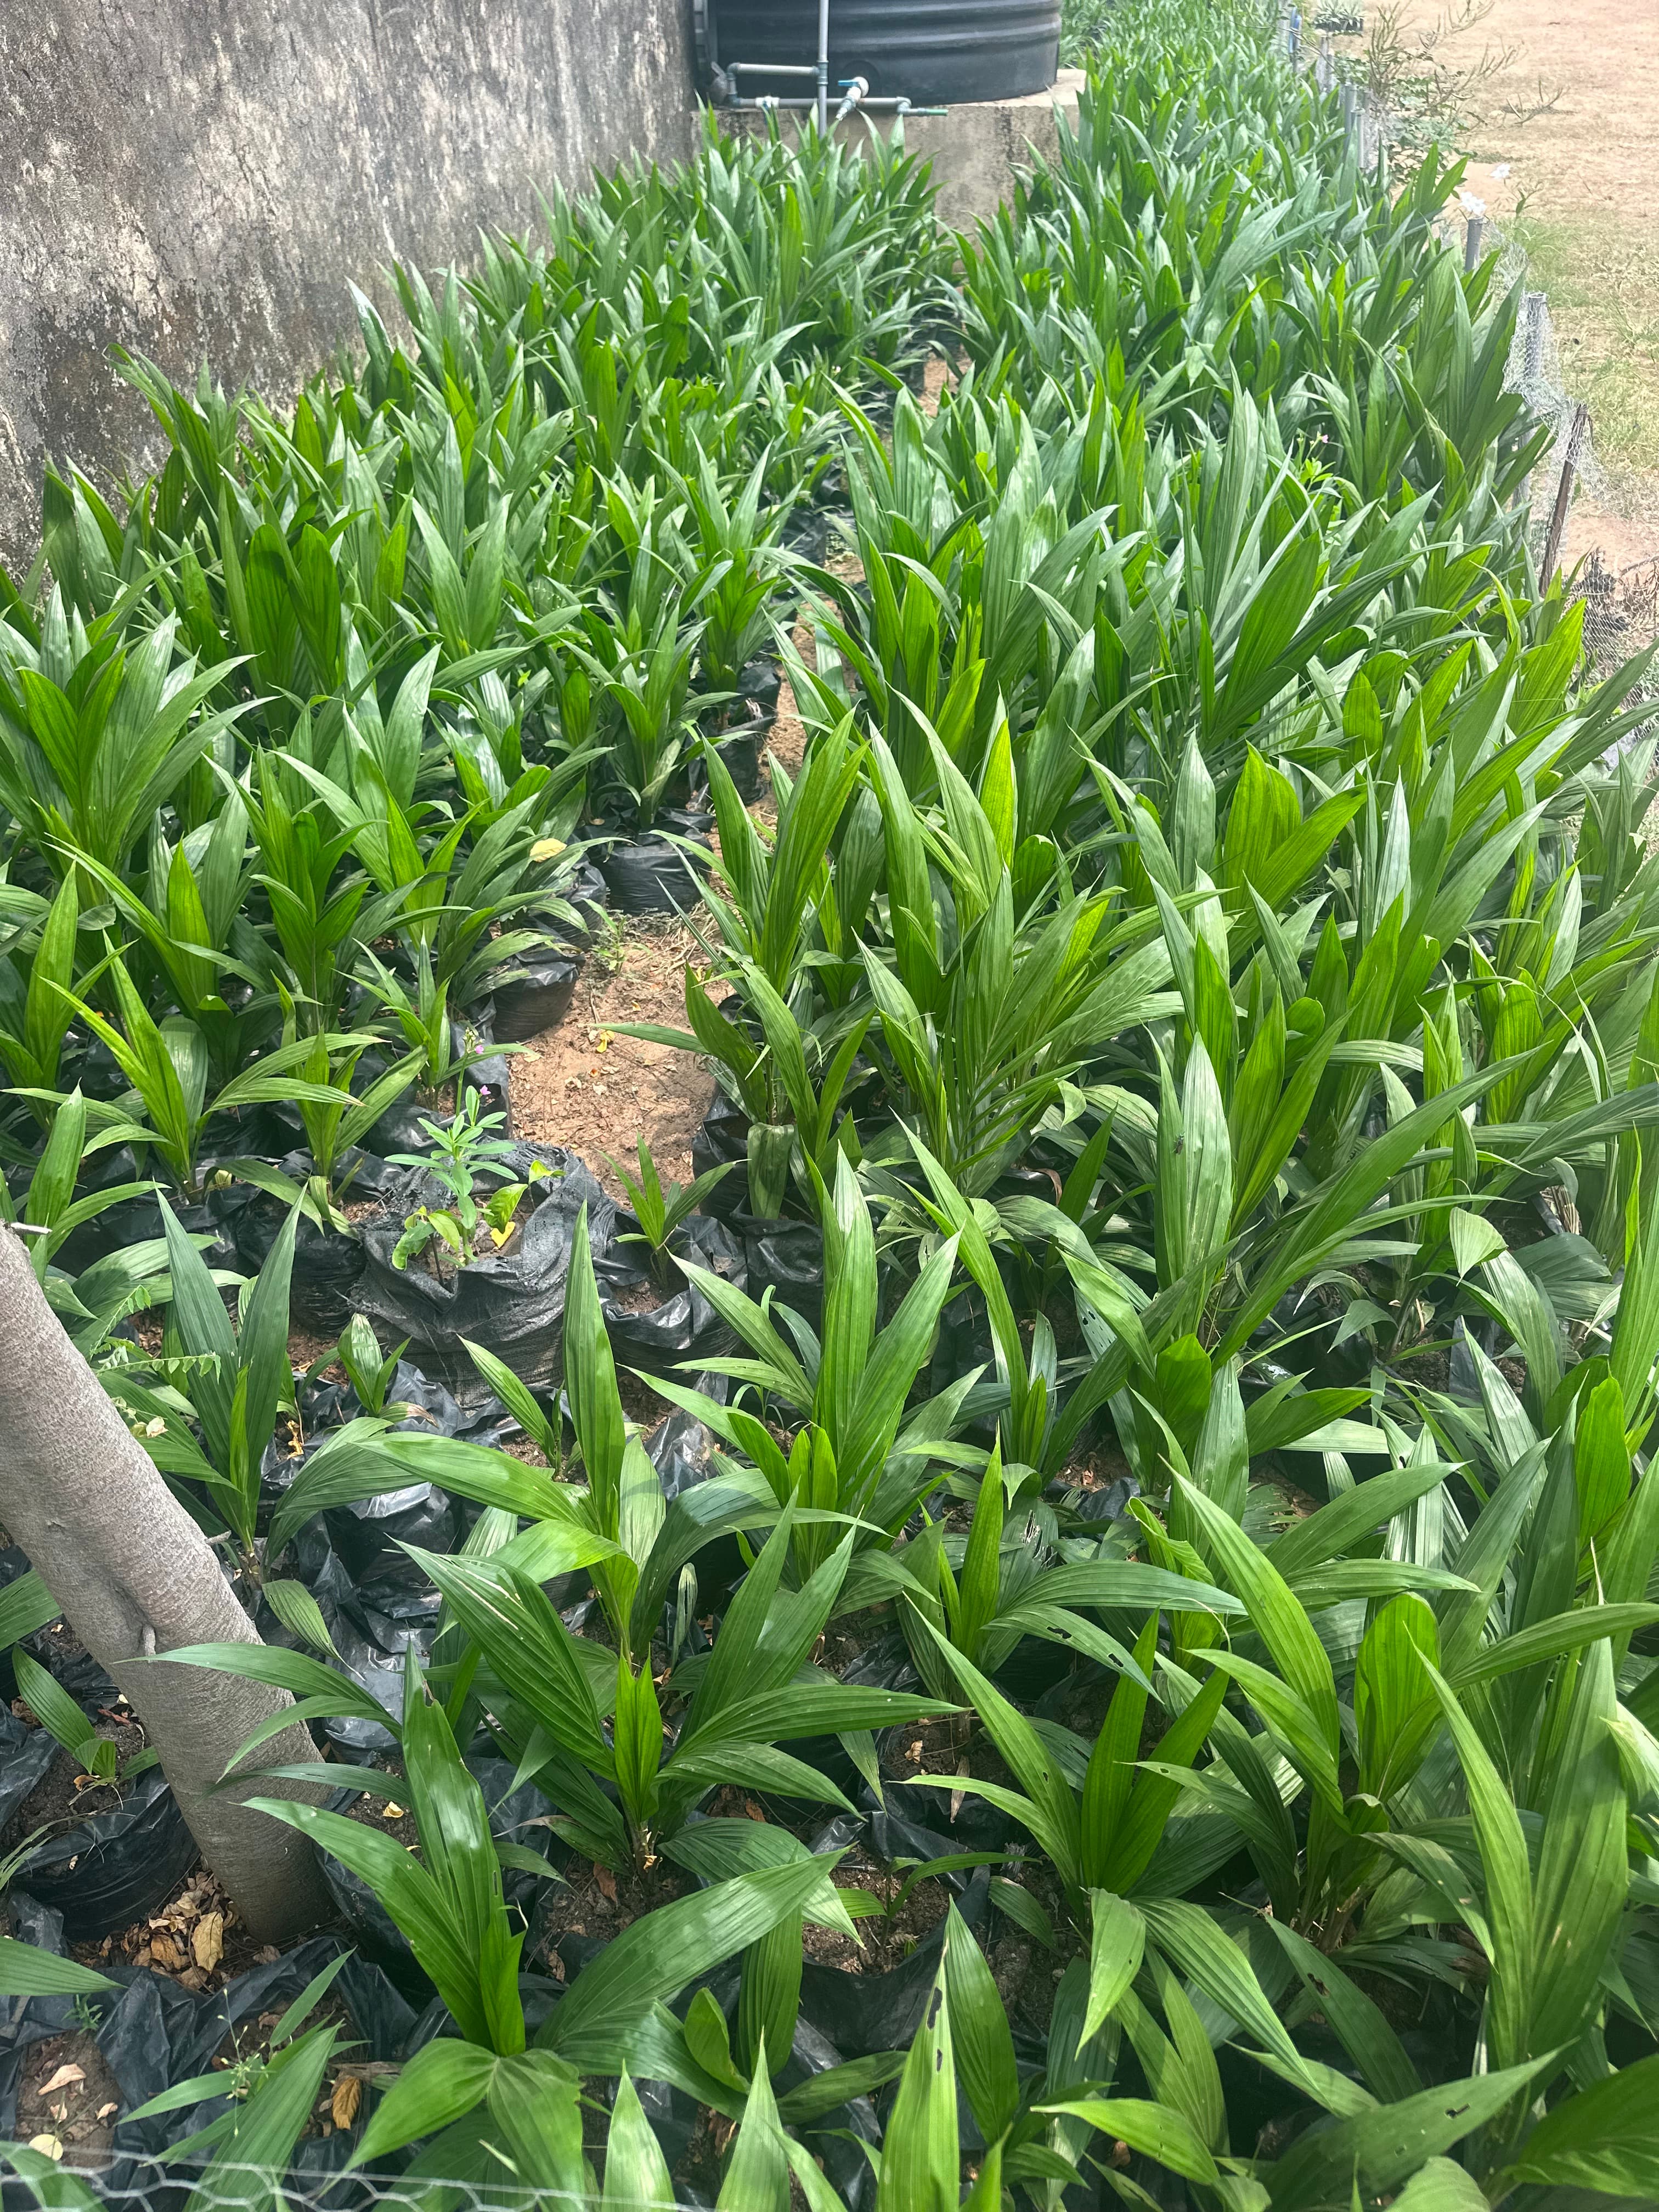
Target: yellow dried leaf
column 48, row 2146
column 60, row 2080
column 348, row 2095
column 392, row 1811
column 546, row 848
column 207, row 1941
column 104, row 2110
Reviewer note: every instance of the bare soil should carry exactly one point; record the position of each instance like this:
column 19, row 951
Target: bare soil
column 68, row 2092
column 580, row 1084
column 389, row 1814
column 593, row 1901
column 1574, row 185
column 882, row 1942
column 65, row 1794
column 339, row 2100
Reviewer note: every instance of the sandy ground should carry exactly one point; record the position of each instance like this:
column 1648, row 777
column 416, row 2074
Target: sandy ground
column 1575, row 184
column 578, row 1084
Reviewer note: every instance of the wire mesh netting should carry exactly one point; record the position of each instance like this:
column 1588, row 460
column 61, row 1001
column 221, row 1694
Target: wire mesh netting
column 140, row 2184
column 1620, row 600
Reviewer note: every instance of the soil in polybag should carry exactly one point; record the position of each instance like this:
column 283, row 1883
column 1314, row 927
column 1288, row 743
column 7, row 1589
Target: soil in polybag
column 119, row 1859
column 512, row 1813
column 656, row 1329
column 652, row 875
column 510, row 1301
column 327, row 1262
column 25, row 2022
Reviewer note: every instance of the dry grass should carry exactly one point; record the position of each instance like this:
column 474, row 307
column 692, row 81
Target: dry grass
column 1601, row 274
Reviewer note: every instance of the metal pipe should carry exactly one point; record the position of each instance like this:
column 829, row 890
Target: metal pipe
column 857, row 87
column 879, row 102
column 1472, row 245
column 772, row 68
column 823, row 64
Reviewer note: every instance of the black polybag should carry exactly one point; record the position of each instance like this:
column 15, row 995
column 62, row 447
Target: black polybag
column 760, row 683
column 682, row 1450
column 511, row 1303
column 26, row 2021
column 327, row 1262
column 787, row 1258
column 684, row 1326
column 807, row 533
column 976, row 1825
column 157, row 2033
column 533, row 992
column 108, row 1871
column 587, row 891
column 25, row 1755
column 722, row 1135
column 863, row 2014
column 373, row 1665
column 652, row 874
column 367, row 1531
column 138, row 1221
column 739, row 748
column 474, row 1032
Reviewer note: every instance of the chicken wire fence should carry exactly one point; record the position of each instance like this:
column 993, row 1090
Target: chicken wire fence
column 1621, row 603
column 138, row 2184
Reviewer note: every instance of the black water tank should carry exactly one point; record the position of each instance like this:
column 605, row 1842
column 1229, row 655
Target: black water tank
column 935, row 52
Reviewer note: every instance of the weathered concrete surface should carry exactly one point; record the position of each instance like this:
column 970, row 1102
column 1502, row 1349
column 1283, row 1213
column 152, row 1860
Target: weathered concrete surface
column 974, row 149
column 199, row 179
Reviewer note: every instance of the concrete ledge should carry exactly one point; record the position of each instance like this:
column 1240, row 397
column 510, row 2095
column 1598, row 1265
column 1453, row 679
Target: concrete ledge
column 974, row 149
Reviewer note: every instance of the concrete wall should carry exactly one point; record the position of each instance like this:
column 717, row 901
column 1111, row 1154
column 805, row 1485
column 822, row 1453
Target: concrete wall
column 199, row 179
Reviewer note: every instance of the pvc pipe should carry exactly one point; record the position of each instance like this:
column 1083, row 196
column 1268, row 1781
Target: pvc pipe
column 823, row 64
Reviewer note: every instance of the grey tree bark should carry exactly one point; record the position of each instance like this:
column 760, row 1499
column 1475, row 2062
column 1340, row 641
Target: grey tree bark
column 135, row 1576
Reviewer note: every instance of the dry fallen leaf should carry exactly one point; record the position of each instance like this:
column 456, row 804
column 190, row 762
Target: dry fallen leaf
column 104, row 2110
column 607, row 1882
column 60, row 2080
column 348, row 2095
column 207, row 1940
column 48, row 2146
column 165, row 1952
column 957, row 1796
column 392, row 1811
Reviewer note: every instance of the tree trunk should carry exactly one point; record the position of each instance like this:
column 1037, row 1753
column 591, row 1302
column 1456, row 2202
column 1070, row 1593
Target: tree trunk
column 135, row 1575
